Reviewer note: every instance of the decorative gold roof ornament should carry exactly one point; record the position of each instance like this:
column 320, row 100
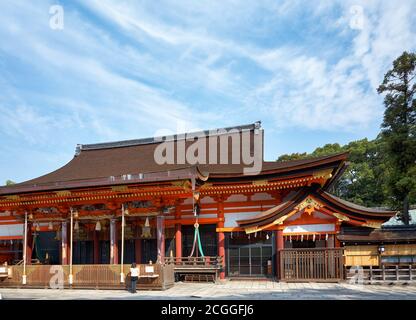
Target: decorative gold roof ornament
column 340, row 217
column 309, row 205
column 372, row 224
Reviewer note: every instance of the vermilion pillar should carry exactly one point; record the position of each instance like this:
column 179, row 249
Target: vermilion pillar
column 178, row 240
column 221, row 252
column 221, row 237
column 279, row 246
column 113, row 242
column 29, row 244
column 64, row 243
column 160, row 226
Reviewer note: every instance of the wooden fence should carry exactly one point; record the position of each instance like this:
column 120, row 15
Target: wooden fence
column 383, row 274
column 191, row 262
column 155, row 276
column 311, row 265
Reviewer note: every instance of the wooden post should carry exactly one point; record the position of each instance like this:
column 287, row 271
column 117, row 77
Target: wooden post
column 331, row 241
column 64, row 243
column 160, row 226
column 279, row 246
column 410, row 272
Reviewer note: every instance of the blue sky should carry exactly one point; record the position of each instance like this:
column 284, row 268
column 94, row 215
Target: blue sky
column 123, row 70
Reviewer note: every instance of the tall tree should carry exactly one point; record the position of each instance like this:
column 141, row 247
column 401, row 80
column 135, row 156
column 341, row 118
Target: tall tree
column 362, row 182
column 399, row 131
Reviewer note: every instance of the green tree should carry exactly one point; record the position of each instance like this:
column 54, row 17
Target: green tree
column 362, row 182
column 399, row 131
column 10, row 182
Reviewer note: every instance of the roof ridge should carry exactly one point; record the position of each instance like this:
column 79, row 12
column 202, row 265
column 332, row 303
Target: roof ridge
column 151, row 140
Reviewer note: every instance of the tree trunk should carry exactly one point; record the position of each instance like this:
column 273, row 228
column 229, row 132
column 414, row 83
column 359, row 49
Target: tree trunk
column 405, row 214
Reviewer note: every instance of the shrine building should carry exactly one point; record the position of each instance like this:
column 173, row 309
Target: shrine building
column 115, row 203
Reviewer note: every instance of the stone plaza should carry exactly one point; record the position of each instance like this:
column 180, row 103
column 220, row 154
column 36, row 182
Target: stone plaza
column 230, row 290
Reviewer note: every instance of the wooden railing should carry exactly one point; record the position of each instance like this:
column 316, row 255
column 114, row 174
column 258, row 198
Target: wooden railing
column 383, row 274
column 155, row 276
column 20, row 262
column 195, row 262
column 196, row 268
column 324, row 264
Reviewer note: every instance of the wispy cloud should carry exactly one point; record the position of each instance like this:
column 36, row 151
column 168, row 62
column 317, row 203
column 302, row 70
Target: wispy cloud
column 122, row 70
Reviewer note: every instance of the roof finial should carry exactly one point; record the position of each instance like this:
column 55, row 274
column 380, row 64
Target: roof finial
column 78, row 149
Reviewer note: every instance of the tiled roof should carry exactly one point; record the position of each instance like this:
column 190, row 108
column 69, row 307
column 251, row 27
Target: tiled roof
column 396, row 222
column 101, row 162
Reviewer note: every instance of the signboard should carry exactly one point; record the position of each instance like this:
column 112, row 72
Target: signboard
column 149, row 269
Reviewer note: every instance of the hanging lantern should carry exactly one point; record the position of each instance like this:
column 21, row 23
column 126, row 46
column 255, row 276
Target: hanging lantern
column 37, row 228
column 267, row 236
column 58, row 235
column 98, row 226
column 196, row 195
column 313, row 238
column 30, row 216
column 75, row 214
column 76, row 225
column 50, row 226
column 146, row 233
column 249, row 236
column 290, row 238
column 301, row 238
column 255, row 234
column 326, row 237
column 231, row 235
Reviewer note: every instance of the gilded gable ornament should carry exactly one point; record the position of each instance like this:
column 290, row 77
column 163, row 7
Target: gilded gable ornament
column 309, row 205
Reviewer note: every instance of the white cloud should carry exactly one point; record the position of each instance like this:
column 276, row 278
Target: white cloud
column 310, row 92
column 135, row 68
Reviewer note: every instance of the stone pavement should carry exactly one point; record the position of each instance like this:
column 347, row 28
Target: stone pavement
column 250, row 290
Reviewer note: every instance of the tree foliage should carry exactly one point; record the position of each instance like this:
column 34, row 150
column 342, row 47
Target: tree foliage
column 399, row 131
column 362, row 182
column 382, row 172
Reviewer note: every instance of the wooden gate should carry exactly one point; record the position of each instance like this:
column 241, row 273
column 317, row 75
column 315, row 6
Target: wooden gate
column 311, row 265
